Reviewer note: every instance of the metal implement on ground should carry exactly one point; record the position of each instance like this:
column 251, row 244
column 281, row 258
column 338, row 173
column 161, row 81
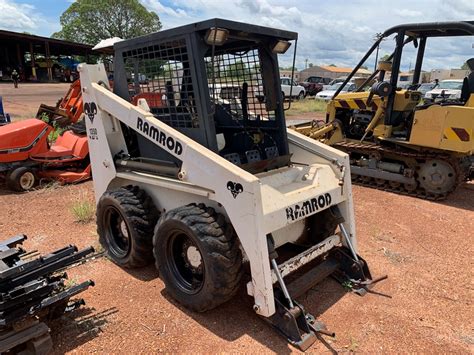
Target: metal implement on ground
column 195, row 172
column 33, row 290
column 395, row 142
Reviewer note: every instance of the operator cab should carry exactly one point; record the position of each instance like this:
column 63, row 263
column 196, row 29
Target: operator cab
column 202, row 82
column 401, row 104
column 468, row 83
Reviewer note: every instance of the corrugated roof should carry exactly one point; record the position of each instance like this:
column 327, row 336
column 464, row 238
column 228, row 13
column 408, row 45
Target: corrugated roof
column 344, row 70
column 19, row 37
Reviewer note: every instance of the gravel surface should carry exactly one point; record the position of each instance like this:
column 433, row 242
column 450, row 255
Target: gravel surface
column 24, row 102
column 424, row 247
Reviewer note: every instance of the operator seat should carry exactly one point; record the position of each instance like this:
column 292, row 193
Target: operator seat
column 468, row 83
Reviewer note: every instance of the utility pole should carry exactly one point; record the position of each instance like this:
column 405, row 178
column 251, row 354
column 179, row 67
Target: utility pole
column 306, row 63
column 376, row 38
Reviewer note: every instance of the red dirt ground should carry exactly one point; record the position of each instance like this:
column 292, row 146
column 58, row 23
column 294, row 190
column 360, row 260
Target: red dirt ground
column 424, row 247
column 23, row 102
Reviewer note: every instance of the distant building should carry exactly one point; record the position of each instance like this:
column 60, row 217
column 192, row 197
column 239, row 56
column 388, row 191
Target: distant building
column 407, row 77
column 444, row 74
column 331, row 72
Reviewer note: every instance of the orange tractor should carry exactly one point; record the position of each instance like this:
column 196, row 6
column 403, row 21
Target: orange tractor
column 27, row 156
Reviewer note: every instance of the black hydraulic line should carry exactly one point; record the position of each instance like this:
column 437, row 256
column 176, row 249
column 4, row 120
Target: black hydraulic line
column 357, row 67
column 374, row 74
column 419, row 61
column 146, row 167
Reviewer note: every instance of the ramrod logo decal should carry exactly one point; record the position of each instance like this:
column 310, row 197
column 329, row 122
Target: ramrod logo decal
column 308, row 207
column 160, row 137
column 90, row 109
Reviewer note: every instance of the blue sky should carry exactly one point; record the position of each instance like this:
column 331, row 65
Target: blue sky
column 330, row 32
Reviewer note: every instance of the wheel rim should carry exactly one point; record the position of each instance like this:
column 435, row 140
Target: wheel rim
column 27, row 180
column 437, row 176
column 185, row 262
column 118, row 232
column 301, row 96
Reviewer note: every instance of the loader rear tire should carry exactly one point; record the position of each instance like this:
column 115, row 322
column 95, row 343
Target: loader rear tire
column 198, row 256
column 126, row 218
column 21, row 179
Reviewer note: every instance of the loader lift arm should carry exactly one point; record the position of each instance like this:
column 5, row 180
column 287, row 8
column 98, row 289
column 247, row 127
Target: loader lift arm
column 205, row 187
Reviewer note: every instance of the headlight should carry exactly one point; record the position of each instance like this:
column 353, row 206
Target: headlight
column 453, row 96
column 217, row 36
column 428, row 95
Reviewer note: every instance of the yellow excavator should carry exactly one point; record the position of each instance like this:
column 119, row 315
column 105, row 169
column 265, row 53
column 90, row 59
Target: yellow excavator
column 394, row 141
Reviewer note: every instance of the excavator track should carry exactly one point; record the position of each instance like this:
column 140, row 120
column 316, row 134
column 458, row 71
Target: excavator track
column 402, row 155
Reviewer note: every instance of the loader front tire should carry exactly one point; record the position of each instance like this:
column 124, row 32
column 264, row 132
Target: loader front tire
column 198, row 256
column 126, row 218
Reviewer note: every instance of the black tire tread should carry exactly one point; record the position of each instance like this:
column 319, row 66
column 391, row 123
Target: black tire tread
column 223, row 250
column 13, row 181
column 142, row 215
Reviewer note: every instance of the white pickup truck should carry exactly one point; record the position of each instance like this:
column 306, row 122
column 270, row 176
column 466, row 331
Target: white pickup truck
column 297, row 92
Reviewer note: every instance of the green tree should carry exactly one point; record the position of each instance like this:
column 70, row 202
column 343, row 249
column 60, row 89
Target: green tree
column 90, row 21
column 237, row 70
column 332, row 65
column 464, row 66
column 385, row 57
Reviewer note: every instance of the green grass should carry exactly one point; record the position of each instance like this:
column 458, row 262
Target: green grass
column 57, row 130
column 83, row 211
column 306, row 106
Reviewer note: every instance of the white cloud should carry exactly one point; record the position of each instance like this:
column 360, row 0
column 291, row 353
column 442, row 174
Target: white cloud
column 338, row 32
column 159, row 8
column 17, row 17
column 408, row 13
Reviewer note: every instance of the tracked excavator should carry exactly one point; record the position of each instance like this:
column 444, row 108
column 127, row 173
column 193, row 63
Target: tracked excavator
column 394, row 141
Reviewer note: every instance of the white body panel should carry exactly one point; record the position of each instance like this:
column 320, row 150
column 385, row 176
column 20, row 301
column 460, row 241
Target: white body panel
column 274, row 202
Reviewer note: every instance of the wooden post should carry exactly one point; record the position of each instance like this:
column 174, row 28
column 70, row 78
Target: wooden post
column 18, row 54
column 32, row 55
column 48, row 61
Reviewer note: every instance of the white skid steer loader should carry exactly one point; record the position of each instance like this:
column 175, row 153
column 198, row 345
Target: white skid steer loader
column 192, row 170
